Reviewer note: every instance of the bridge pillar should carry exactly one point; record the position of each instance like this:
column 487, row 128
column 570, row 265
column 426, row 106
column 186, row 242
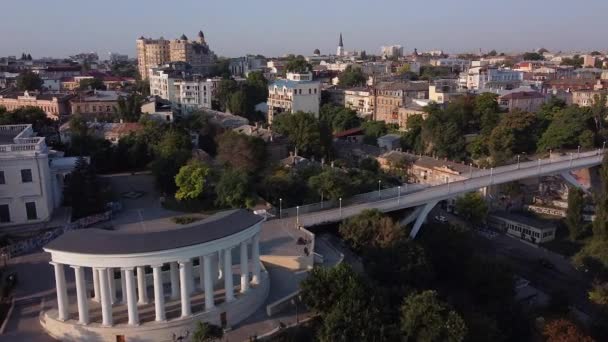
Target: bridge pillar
column 420, row 220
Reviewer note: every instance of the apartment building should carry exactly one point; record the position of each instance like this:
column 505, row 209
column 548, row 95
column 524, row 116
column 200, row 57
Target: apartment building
column 390, row 96
column 96, row 103
column 154, row 52
column 298, row 92
column 186, row 92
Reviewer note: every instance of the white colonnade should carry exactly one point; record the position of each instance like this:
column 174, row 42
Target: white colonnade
column 133, row 284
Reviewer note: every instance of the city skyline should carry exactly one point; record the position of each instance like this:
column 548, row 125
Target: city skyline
column 68, row 28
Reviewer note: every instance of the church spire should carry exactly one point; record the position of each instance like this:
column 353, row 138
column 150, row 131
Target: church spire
column 340, row 43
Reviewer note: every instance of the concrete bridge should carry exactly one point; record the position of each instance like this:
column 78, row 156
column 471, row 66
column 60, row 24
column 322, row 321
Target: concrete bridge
column 424, row 200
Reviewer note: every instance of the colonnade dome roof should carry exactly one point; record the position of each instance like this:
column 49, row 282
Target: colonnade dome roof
column 105, row 242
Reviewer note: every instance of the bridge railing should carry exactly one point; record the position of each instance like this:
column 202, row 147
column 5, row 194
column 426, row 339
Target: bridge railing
column 483, row 179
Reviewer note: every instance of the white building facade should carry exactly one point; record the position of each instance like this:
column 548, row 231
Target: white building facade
column 296, row 93
column 482, row 78
column 31, row 183
column 186, row 93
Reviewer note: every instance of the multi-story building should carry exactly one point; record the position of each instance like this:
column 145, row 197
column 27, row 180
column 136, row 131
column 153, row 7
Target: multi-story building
column 298, row 92
column 110, row 131
column 587, row 97
column 31, row 179
column 391, row 51
column 361, row 100
column 242, row 66
column 186, row 92
column 487, row 78
column 96, row 104
column 54, row 105
column 528, row 101
column 452, row 63
column 154, row 52
column 443, row 90
column 390, row 96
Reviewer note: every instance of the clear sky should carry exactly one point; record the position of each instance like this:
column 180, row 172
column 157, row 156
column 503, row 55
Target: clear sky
column 276, row 27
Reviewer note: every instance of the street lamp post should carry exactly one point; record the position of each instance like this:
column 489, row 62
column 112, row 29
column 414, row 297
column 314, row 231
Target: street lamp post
column 539, row 161
column 603, row 146
column 518, row 161
column 470, row 170
column 571, row 157
column 379, row 194
column 340, row 200
column 491, row 175
column 398, row 194
column 280, row 208
column 578, row 154
column 321, row 199
column 298, row 216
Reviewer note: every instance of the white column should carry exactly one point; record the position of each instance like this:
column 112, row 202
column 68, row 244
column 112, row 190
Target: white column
column 201, row 272
column 184, row 290
column 97, row 295
column 129, row 295
column 62, row 294
column 112, row 284
column 106, row 304
column 190, row 273
column 244, row 268
column 159, row 295
column 81, row 295
column 255, row 259
column 141, row 285
column 220, row 264
column 174, row 273
column 209, row 293
column 123, row 287
column 228, row 286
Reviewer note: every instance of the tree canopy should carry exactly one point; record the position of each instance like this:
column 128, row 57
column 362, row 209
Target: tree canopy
column 29, row 80
column 297, row 64
column 190, row 180
column 425, row 318
column 303, row 131
column 241, row 152
column 233, row 190
column 352, row 76
column 371, row 228
column 472, row 207
column 82, row 191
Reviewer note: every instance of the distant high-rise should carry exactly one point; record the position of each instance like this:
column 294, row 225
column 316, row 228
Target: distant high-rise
column 340, row 51
column 154, row 52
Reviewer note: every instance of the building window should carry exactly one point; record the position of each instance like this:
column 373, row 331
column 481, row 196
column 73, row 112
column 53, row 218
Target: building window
column 30, row 209
column 2, row 180
column 26, row 176
column 5, row 215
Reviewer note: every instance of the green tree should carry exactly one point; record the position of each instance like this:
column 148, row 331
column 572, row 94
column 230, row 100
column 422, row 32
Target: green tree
column 29, row 80
column 224, row 91
column 82, row 191
column 404, row 69
column 600, row 224
column 241, row 152
column 190, row 180
column 297, row 64
column 324, row 287
column 302, row 130
column 237, row 103
column 28, row 115
column 129, row 108
column 565, row 129
column 94, row 83
column 352, row 76
column 371, row 229
column 425, row 318
column 574, row 214
column 171, row 153
column 373, row 130
column 233, row 189
column 472, row 207
column 339, row 118
column 599, row 294
column 352, row 319
column 206, row 332
column 329, row 184
column 576, row 61
column 533, row 56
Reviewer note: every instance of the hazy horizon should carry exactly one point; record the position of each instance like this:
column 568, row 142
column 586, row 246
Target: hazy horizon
column 272, row 28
